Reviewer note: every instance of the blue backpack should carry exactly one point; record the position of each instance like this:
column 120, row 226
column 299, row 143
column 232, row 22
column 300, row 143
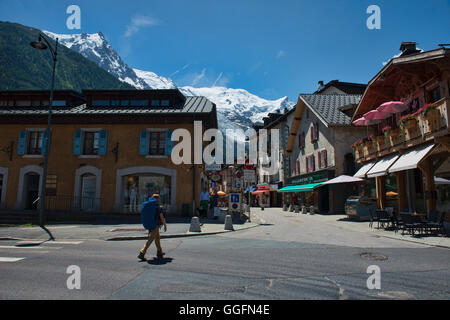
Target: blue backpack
column 148, row 214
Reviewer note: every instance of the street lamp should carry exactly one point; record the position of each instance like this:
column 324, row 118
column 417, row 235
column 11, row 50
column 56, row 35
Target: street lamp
column 54, row 52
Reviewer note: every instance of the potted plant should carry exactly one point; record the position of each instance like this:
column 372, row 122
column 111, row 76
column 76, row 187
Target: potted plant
column 431, row 114
column 358, row 148
column 408, row 122
column 386, row 130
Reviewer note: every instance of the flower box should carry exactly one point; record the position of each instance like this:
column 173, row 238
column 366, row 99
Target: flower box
column 380, row 142
column 433, row 120
column 369, row 148
column 394, row 136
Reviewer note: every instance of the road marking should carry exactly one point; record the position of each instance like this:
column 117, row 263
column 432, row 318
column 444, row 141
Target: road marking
column 36, row 247
column 6, row 259
column 50, row 242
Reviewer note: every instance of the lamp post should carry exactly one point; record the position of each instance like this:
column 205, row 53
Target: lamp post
column 46, row 144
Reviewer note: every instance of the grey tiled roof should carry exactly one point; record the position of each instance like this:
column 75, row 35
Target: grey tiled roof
column 327, row 106
column 191, row 105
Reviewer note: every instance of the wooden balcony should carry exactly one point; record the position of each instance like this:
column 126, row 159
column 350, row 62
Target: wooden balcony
column 424, row 128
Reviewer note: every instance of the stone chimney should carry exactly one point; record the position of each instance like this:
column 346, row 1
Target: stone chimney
column 408, row 47
column 320, row 85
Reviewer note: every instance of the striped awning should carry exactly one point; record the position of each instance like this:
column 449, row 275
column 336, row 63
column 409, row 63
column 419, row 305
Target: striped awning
column 301, row 188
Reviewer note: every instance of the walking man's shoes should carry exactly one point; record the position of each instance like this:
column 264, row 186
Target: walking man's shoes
column 160, row 254
column 141, row 256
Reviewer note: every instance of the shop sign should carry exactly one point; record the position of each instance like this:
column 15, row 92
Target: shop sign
column 213, row 167
column 273, row 187
column 250, row 176
column 308, row 179
column 235, row 201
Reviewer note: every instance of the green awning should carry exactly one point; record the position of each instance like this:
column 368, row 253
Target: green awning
column 302, row 188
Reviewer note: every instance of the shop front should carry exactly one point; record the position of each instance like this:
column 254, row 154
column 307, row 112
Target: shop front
column 262, row 195
column 304, row 190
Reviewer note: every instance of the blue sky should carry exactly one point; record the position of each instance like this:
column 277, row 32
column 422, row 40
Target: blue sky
column 270, row 48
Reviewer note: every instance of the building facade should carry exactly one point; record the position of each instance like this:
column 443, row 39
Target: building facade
column 109, row 150
column 409, row 150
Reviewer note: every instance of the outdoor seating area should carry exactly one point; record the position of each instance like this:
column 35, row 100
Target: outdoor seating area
column 414, row 224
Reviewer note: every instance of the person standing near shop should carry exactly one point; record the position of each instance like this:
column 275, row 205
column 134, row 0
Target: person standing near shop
column 204, row 203
column 152, row 219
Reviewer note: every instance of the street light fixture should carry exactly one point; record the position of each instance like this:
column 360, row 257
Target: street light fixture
column 46, row 144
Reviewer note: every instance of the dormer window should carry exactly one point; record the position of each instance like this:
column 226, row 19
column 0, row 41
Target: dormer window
column 139, row 103
column 156, row 103
column 165, row 103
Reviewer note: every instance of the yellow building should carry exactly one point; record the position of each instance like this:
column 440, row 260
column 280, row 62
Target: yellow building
column 109, row 150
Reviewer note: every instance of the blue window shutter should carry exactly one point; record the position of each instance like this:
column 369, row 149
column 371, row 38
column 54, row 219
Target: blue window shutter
column 143, row 143
column 169, row 142
column 77, row 142
column 103, row 143
column 44, row 142
column 22, row 145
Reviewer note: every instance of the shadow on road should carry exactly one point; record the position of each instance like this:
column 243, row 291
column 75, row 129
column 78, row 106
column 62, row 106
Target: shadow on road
column 159, row 261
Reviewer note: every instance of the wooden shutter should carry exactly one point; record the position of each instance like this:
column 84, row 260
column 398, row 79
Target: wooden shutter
column 77, row 142
column 44, row 142
column 316, row 128
column 143, row 143
column 325, row 159
column 306, row 164
column 22, row 145
column 313, row 167
column 103, row 143
column 319, row 154
column 169, row 142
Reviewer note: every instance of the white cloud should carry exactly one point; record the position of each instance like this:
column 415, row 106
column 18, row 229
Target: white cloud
column 280, row 54
column 217, row 79
column 198, row 77
column 137, row 23
column 179, row 70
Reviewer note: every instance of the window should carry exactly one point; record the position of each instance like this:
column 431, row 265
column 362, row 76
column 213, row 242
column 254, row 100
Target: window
column 115, row 103
column 125, row 103
column 36, row 103
column 156, row 103
column 315, row 132
column 310, row 164
column 165, row 103
column 434, row 95
column 139, row 103
column 23, row 103
column 90, row 143
column 100, row 103
column 301, row 141
column 323, row 161
column 59, row 103
column 157, row 143
column 34, row 146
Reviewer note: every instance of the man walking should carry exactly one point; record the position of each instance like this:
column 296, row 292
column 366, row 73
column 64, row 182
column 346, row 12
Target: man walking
column 153, row 219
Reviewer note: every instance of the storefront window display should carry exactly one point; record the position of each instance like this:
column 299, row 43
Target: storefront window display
column 138, row 188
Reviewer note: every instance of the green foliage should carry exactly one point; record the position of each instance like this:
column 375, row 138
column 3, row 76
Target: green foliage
column 24, row 68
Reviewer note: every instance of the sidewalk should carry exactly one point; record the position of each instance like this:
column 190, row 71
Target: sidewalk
column 120, row 232
column 342, row 222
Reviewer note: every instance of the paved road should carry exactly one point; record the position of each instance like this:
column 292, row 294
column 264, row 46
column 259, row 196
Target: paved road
column 287, row 257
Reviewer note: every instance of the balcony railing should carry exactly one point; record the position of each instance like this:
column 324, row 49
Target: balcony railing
column 412, row 132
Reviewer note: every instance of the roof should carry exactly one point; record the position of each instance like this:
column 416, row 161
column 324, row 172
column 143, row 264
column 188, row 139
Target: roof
column 327, row 107
column 346, row 87
column 192, row 105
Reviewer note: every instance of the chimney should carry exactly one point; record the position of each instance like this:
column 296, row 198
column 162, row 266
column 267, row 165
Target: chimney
column 408, row 47
column 320, row 85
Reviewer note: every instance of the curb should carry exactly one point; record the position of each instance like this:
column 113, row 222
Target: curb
column 177, row 235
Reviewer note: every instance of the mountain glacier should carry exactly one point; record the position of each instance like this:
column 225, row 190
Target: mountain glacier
column 236, row 108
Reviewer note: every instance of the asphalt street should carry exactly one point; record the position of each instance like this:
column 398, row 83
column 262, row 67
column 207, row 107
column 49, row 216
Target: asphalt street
column 286, row 257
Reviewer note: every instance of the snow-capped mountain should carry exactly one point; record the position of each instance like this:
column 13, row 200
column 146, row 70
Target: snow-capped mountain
column 236, row 108
column 154, row 81
column 96, row 48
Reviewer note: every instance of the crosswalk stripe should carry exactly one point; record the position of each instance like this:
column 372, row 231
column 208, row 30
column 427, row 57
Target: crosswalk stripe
column 26, row 248
column 7, row 259
column 50, row 242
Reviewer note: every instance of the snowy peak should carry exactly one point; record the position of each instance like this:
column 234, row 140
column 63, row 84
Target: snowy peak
column 96, row 48
column 238, row 108
column 154, row 81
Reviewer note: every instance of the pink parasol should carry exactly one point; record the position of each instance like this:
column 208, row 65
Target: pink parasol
column 363, row 122
column 376, row 115
column 392, row 107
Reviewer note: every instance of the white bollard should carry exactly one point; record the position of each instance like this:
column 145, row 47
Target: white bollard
column 195, row 225
column 229, row 223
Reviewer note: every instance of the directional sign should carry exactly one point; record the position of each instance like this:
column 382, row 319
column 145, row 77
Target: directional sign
column 250, row 176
